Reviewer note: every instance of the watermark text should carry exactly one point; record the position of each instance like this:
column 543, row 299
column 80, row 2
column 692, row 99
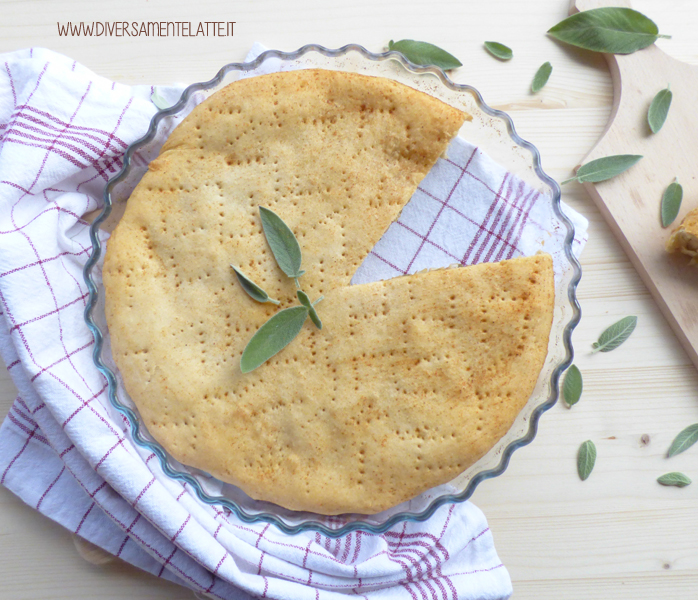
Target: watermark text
column 146, row 29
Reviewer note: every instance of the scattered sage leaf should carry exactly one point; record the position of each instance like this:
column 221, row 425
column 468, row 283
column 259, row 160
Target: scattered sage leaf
column 541, row 77
column 158, row 100
column 615, row 335
column 586, row 459
column 305, row 301
column 671, row 203
column 272, row 337
column 424, row 53
column 684, row 440
column 572, row 386
column 282, row 242
column 611, row 29
column 604, row 168
column 498, row 50
column 253, row 290
column 659, row 109
column 674, row 478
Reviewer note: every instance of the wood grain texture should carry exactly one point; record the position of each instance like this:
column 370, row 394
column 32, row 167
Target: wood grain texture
column 610, row 537
column 39, row 561
column 630, row 202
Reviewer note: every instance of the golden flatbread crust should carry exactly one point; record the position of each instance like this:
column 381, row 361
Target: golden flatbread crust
column 410, row 380
column 685, row 237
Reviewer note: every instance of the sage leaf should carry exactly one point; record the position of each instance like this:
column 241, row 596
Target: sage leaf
column 305, row 301
column 253, row 290
column 424, row 53
column 282, row 242
column 272, row 337
column 572, row 386
column 675, row 478
column 615, row 335
column 158, row 100
column 612, row 30
column 586, row 459
column 671, row 203
column 684, row 440
column 541, row 77
column 604, row 168
column 659, row 109
column 498, row 50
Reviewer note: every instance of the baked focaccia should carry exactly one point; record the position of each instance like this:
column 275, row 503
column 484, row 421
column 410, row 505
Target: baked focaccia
column 410, row 380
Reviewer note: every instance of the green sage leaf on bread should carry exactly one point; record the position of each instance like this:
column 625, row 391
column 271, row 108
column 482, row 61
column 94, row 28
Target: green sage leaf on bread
column 272, row 337
column 283, row 243
column 253, row 290
column 305, row 301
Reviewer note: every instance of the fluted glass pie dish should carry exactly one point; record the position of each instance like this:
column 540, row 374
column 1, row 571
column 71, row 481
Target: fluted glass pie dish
column 489, row 130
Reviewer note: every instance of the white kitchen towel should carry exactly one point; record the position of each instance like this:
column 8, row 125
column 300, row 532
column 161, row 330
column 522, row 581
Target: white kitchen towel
column 63, row 131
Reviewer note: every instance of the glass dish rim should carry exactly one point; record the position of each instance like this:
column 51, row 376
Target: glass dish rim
column 266, row 516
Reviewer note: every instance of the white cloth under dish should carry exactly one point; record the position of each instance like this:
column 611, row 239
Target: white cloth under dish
column 63, row 131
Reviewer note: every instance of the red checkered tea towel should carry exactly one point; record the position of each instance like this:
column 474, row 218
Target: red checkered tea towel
column 63, row 131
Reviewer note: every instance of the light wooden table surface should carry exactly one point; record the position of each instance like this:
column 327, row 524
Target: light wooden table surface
column 619, row 535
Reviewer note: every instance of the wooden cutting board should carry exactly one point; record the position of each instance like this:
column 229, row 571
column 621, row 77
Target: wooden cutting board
column 631, row 202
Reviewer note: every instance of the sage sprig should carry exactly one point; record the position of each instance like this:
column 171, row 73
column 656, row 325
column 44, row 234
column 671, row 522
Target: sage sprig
column 424, row 53
column 281, row 329
column 604, row 168
column 253, row 290
column 586, row 459
column 671, row 203
column 312, row 313
column 541, row 77
column 572, row 386
column 674, row 478
column 611, row 30
column 615, row 335
column 272, row 337
column 499, row 51
column 282, row 242
column 659, row 109
column 684, row 440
